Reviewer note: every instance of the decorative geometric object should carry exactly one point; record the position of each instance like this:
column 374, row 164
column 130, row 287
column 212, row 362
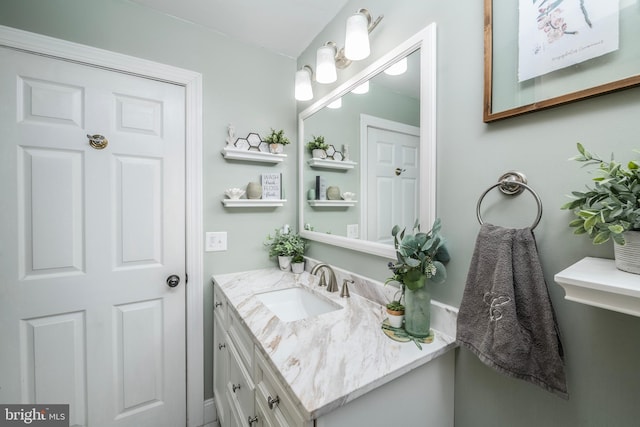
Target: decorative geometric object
column 330, row 151
column 254, row 141
column 242, row 144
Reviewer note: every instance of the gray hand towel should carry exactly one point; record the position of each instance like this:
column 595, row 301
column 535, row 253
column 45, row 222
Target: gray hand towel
column 506, row 317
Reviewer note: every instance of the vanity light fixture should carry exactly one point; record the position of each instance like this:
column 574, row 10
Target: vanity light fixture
column 303, row 88
column 398, row 68
column 326, row 64
column 360, row 89
column 335, row 104
column 329, row 58
column 356, row 41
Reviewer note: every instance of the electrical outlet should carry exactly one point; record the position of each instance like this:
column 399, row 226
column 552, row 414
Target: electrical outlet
column 353, row 231
column 215, row 241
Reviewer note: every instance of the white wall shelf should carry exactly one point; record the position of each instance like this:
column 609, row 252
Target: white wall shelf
column 253, row 203
column 331, row 164
column 252, row 156
column 597, row 282
column 332, row 203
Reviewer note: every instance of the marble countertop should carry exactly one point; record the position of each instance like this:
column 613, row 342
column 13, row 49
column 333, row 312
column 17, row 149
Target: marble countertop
column 328, row 360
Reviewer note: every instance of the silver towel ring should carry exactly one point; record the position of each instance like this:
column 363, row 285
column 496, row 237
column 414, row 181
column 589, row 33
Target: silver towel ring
column 512, row 183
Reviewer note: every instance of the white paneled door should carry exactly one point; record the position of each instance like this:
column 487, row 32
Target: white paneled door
column 89, row 236
column 392, row 175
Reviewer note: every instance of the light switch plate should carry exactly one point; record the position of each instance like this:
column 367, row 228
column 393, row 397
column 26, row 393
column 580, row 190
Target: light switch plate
column 215, row 241
column 353, row 231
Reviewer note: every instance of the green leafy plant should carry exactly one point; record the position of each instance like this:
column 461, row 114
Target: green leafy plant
column 277, row 137
column 612, row 205
column 395, row 306
column 418, row 254
column 317, row 143
column 285, row 244
column 298, row 258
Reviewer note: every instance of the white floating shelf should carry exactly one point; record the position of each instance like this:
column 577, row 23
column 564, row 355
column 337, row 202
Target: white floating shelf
column 332, row 203
column 252, row 156
column 597, row 282
column 253, row 203
column 331, row 164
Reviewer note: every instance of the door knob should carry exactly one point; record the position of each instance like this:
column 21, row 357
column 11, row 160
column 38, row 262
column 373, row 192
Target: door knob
column 173, row 281
column 97, row 141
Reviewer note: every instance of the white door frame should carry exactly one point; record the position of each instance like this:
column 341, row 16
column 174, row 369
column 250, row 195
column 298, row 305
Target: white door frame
column 192, row 82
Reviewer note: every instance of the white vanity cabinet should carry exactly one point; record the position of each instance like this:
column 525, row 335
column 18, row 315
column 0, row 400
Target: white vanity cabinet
column 246, row 391
column 372, row 380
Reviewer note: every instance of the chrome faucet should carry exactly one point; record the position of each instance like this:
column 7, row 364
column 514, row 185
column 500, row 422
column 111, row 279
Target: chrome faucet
column 333, row 285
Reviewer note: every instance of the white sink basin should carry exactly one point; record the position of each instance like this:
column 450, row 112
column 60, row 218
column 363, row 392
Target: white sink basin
column 296, row 303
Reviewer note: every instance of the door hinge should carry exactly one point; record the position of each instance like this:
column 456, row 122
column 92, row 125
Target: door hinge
column 186, row 278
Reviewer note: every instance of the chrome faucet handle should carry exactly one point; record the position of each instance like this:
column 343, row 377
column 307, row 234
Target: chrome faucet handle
column 344, row 293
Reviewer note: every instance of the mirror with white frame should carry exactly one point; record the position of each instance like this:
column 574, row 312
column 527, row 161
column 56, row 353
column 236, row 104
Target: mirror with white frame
column 397, row 171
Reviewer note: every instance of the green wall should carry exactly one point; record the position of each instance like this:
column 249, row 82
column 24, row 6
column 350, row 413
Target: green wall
column 243, row 85
column 601, row 347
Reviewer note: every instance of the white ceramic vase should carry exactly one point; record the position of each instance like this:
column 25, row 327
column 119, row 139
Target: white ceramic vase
column 319, row 153
column 297, row 267
column 395, row 320
column 627, row 256
column 284, row 262
column 276, row 148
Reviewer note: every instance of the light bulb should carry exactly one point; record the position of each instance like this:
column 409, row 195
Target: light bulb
column 303, row 89
column 363, row 88
column 398, row 68
column 356, row 43
column 326, row 65
column 335, row 104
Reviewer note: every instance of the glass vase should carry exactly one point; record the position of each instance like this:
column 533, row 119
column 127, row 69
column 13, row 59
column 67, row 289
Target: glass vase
column 417, row 311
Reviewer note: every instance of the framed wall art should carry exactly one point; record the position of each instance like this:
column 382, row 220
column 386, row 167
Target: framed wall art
column 544, row 53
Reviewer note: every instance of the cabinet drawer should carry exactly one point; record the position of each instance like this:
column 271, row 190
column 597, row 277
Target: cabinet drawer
column 268, row 388
column 241, row 338
column 267, row 417
column 240, row 386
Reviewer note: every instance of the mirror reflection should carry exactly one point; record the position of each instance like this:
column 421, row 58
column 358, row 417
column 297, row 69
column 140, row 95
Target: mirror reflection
column 368, row 180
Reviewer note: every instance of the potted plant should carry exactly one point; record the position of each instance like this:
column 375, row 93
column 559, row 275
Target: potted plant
column 610, row 209
column 297, row 263
column 285, row 245
column 395, row 310
column 420, row 257
column 276, row 141
column 317, row 146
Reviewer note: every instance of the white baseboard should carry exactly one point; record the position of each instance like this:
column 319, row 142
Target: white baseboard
column 210, row 413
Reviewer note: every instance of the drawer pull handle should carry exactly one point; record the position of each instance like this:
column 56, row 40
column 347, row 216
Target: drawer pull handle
column 273, row 402
column 235, row 387
column 252, row 420
column 217, row 304
column 221, row 346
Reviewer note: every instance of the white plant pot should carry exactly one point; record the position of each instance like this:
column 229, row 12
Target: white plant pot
column 318, row 153
column 627, row 256
column 284, row 262
column 276, row 148
column 395, row 320
column 297, row 267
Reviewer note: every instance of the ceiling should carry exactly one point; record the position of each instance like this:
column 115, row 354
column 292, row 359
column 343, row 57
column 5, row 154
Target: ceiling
column 285, row 27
